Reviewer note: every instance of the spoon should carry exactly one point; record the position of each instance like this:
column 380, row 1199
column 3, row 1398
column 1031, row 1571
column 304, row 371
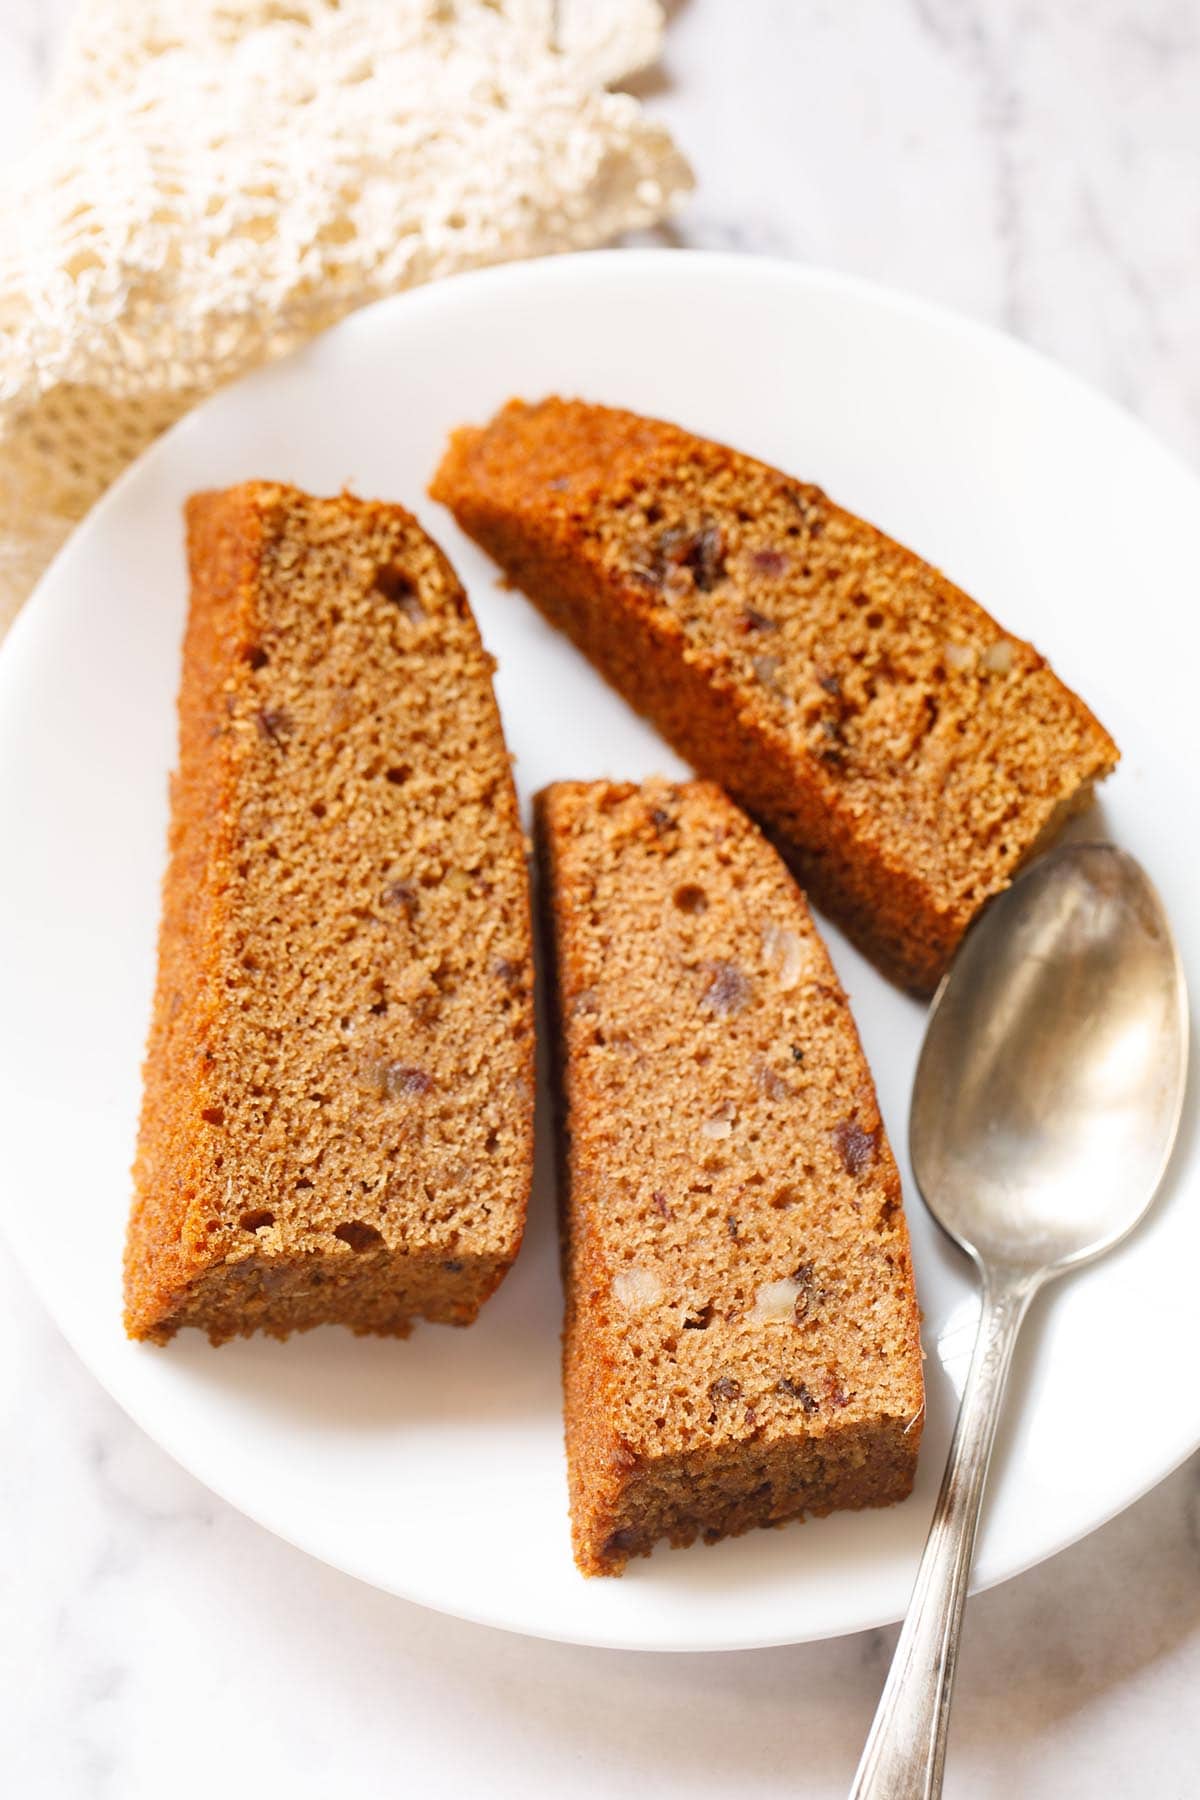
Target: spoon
column 1046, row 1101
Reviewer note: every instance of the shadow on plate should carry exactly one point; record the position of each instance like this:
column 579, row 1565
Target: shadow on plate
column 503, row 1368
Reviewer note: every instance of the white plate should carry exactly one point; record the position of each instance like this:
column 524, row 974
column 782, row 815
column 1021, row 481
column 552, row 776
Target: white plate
column 434, row 1468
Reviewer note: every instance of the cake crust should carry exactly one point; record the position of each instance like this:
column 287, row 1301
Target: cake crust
column 905, row 752
column 741, row 1339
column 337, row 1113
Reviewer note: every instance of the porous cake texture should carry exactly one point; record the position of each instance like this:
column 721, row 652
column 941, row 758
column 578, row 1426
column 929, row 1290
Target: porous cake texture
column 338, row 1111
column 905, row 751
column 741, row 1342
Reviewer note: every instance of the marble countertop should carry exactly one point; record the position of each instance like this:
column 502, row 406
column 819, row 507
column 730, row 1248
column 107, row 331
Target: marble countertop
column 1035, row 167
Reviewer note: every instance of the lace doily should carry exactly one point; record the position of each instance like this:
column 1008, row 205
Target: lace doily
column 218, row 179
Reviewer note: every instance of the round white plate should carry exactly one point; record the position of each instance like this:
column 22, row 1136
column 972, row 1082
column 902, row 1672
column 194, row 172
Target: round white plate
column 434, row 1468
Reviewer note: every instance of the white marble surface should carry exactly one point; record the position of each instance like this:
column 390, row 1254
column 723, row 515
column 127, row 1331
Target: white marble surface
column 1037, row 166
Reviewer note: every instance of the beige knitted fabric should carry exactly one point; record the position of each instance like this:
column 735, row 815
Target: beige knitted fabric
column 218, row 179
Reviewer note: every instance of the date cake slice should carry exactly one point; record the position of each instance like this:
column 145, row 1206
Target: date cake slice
column 338, row 1108
column 905, row 752
column 741, row 1342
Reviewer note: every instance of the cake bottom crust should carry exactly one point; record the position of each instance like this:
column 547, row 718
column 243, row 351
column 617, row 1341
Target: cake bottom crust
column 377, row 1291
column 736, row 1487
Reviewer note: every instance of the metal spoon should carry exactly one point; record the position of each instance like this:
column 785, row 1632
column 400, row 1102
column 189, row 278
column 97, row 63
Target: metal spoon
column 1047, row 1099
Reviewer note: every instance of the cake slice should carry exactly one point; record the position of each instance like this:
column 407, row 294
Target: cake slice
column 741, row 1342
column 338, row 1110
column 905, row 751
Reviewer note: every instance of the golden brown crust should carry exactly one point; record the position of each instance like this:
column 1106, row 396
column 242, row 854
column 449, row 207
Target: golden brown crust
column 905, row 752
column 337, row 1116
column 741, row 1341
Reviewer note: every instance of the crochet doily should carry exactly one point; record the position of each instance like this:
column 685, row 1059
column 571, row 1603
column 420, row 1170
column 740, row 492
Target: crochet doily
column 218, row 179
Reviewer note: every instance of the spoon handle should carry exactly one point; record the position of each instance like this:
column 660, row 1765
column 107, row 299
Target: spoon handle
column 906, row 1748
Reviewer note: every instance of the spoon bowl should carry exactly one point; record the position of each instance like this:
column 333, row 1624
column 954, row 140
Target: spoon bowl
column 1051, row 1079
